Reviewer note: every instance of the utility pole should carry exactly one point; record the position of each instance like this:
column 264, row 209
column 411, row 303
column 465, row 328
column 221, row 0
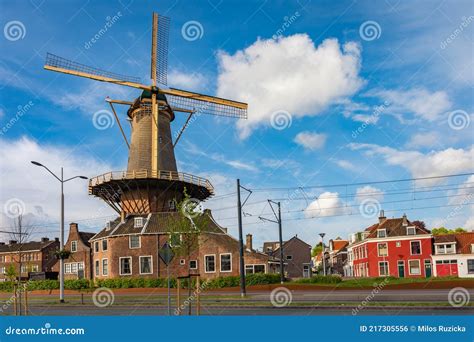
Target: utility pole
column 280, row 233
column 241, row 242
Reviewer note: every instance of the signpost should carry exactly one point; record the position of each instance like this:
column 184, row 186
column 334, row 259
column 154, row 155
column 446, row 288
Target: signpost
column 166, row 255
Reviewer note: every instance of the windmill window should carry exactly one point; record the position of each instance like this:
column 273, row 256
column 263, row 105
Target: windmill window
column 138, row 222
column 125, row 265
column 134, row 241
column 104, row 245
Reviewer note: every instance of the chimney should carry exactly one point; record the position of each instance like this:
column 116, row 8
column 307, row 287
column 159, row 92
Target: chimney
column 382, row 216
column 248, row 242
column 56, row 239
column 44, row 239
column 12, row 242
column 73, row 228
column 405, row 221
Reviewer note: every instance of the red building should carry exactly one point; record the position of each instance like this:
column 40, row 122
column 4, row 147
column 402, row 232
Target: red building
column 392, row 247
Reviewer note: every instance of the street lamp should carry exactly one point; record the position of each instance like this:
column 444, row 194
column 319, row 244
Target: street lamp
column 324, row 259
column 61, row 240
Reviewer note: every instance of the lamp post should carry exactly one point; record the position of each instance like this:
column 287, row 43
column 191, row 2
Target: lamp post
column 61, row 238
column 323, row 257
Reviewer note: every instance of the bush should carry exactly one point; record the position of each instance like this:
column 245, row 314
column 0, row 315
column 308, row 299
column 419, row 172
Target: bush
column 320, row 279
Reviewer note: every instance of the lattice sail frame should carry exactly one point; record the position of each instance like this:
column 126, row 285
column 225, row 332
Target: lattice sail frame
column 205, row 107
column 63, row 63
column 162, row 49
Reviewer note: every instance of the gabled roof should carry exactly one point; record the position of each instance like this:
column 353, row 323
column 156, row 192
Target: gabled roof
column 26, row 246
column 463, row 241
column 85, row 237
column 394, row 227
column 339, row 244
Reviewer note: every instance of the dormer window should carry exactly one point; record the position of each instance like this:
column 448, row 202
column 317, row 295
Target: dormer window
column 411, row 230
column 108, row 226
column 138, row 222
column 381, row 233
column 171, row 205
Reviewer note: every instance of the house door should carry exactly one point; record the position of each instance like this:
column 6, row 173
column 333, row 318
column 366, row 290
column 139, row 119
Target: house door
column 427, row 268
column 306, row 273
column 401, row 269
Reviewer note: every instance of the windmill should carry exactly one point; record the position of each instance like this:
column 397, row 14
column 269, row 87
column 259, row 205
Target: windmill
column 152, row 181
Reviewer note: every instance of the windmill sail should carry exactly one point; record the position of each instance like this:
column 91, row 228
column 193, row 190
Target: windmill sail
column 203, row 104
column 162, row 49
column 60, row 64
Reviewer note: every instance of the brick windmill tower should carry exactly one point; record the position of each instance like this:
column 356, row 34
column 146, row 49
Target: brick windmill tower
column 151, row 183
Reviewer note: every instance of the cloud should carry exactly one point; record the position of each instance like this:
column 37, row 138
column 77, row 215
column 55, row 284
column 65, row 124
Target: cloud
column 368, row 192
column 39, row 191
column 189, row 81
column 310, row 141
column 326, row 204
column 422, row 103
column 290, row 74
column 347, row 165
column 429, row 139
column 435, row 163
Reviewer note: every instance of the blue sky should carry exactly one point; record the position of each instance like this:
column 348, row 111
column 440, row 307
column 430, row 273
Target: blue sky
column 364, row 105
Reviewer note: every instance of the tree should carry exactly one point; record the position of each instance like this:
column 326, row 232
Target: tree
column 317, row 249
column 10, row 272
column 444, row 231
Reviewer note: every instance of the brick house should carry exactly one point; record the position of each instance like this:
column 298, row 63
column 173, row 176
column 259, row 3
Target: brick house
column 79, row 263
column 129, row 248
column 34, row 256
column 337, row 256
column 296, row 255
column 392, row 247
column 454, row 255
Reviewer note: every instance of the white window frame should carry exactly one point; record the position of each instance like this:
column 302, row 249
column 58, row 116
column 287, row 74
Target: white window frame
column 253, row 268
column 220, row 262
column 382, row 243
column 97, row 268
column 193, row 268
column 130, row 242
column 385, row 233
column 419, row 267
column 102, row 245
column 398, row 244
column 138, row 222
column 67, row 268
column 421, row 251
column 411, row 227
column 182, row 261
column 74, row 246
column 96, row 247
column 388, row 269
column 205, row 263
column 140, row 263
column 120, row 265
column 105, row 274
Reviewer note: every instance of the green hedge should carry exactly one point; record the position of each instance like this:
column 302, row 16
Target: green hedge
column 125, row 283
column 320, row 279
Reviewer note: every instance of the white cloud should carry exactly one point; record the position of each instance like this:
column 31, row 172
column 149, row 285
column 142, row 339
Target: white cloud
column 310, row 141
column 327, row 204
column 368, row 192
column 39, row 191
column 435, row 163
column 345, row 164
column 290, row 74
column 189, row 81
column 430, row 139
column 422, row 103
